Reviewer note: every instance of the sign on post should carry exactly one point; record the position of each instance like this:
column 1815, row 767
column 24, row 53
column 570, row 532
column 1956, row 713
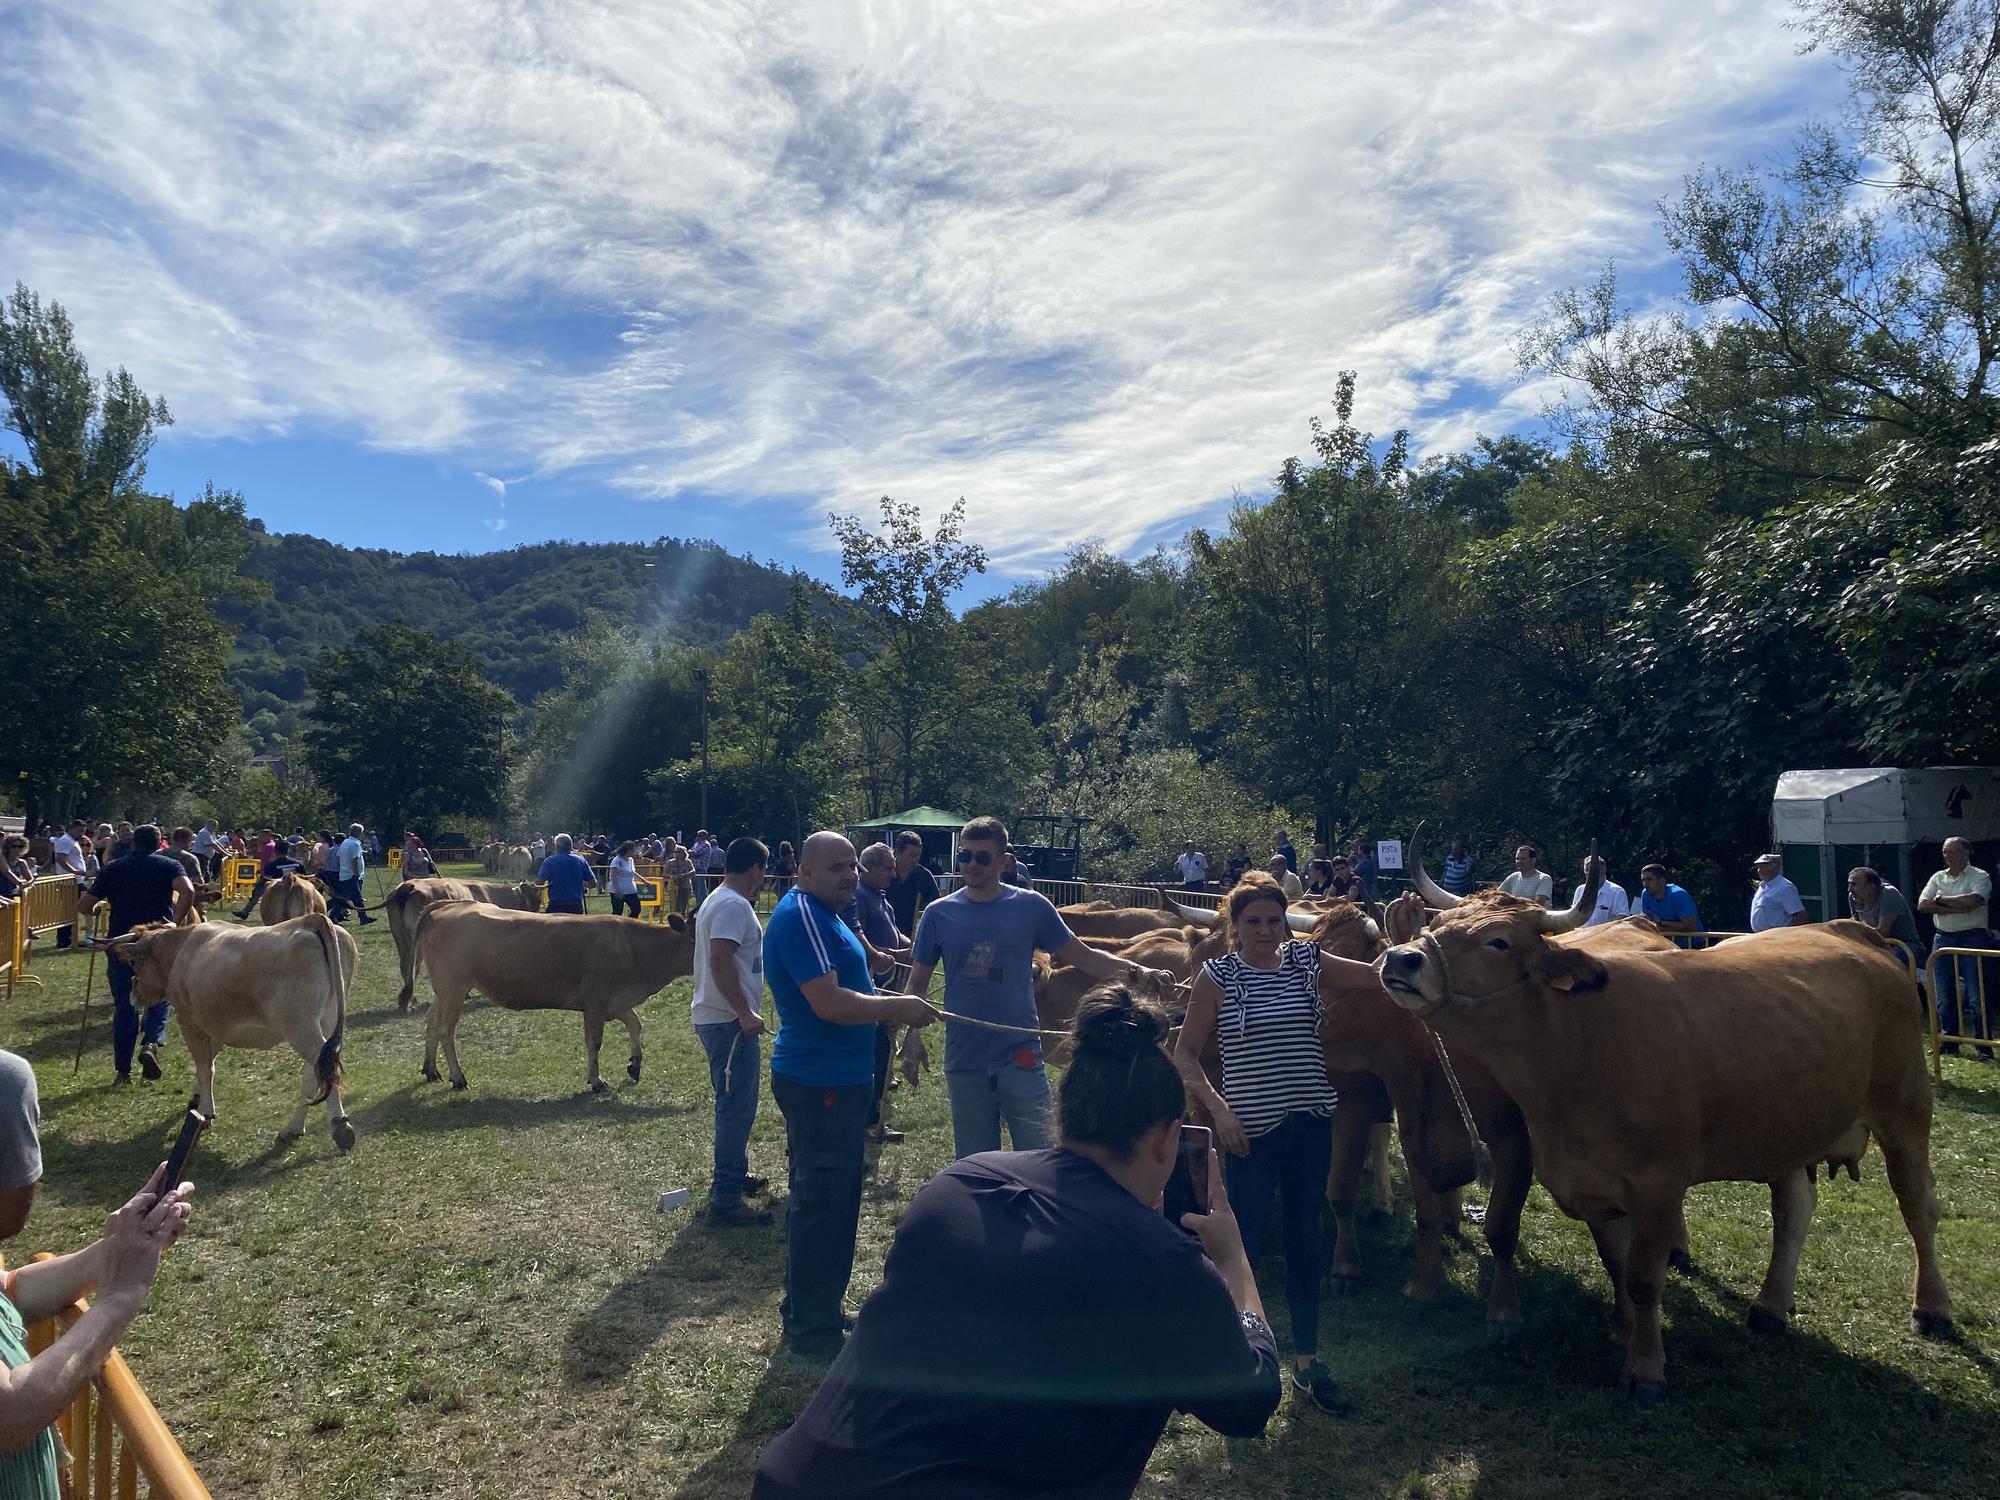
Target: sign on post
column 1389, row 854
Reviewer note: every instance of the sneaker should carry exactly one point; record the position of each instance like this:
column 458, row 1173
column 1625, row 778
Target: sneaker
column 1949, row 1049
column 367, row 921
column 753, row 1185
column 149, row 1062
column 883, row 1135
column 1984, row 1054
column 820, row 1348
column 1317, row 1386
column 122, row 1080
column 739, row 1216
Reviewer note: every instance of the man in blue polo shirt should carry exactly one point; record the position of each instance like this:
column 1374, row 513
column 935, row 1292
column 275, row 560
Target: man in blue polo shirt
column 565, row 874
column 1666, row 903
column 823, row 1077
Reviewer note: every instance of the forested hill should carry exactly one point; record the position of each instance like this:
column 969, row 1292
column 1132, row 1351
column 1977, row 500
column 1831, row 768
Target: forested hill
column 509, row 607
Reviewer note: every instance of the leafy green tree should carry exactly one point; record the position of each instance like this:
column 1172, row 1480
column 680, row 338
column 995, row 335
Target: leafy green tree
column 405, row 729
column 114, row 590
column 1085, row 737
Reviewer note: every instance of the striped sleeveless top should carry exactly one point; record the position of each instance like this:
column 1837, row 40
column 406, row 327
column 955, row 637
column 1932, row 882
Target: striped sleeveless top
column 1267, row 1029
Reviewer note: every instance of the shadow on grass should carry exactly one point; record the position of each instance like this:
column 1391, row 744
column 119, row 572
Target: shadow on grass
column 1972, row 1101
column 780, row 1395
column 406, row 1110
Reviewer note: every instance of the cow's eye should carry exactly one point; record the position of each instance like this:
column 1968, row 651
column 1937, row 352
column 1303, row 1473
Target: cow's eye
column 1498, row 945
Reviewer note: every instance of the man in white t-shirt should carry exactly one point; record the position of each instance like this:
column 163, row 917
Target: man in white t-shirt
column 1193, row 865
column 66, row 854
column 1612, row 902
column 1957, row 900
column 1528, row 882
column 728, row 983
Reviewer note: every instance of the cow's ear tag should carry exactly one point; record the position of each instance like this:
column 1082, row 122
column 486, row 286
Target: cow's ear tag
column 1562, row 982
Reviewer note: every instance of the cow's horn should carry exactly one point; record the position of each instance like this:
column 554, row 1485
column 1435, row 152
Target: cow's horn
column 1434, row 893
column 1199, row 916
column 1586, row 899
column 1301, row 921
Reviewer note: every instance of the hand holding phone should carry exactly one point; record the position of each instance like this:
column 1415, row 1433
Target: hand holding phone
column 192, row 1125
column 1187, row 1190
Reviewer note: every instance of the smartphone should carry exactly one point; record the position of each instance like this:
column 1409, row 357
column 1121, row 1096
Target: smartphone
column 192, row 1125
column 1187, row 1185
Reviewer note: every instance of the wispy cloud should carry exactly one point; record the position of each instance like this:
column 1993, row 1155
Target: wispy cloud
column 1088, row 266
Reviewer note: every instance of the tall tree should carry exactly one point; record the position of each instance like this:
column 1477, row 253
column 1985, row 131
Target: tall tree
column 405, row 729
column 114, row 589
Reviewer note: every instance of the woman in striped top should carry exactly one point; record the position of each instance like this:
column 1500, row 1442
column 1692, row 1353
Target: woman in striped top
column 1273, row 1114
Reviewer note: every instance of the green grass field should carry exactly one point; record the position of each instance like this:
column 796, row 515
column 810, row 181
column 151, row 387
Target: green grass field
column 482, row 1299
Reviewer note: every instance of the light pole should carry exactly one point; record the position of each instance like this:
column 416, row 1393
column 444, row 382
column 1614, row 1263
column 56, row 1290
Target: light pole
column 701, row 680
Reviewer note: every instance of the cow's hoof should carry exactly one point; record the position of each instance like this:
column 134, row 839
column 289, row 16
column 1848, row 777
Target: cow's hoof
column 459, row 1085
column 1765, row 1322
column 1679, row 1260
column 431, row 1075
column 1417, row 1292
column 1933, row 1325
column 286, row 1137
column 1347, row 1283
column 1644, row 1394
column 343, row 1133
column 632, row 1070
column 599, row 1086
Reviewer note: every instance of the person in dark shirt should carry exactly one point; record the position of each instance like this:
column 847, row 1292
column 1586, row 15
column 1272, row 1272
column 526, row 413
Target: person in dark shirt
column 565, row 874
column 1039, row 1318
column 144, row 886
column 912, row 887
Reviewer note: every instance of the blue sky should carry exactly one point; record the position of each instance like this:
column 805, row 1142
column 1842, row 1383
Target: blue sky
column 473, row 273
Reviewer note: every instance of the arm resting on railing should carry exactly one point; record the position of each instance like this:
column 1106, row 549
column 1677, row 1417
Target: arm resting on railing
column 35, row 1395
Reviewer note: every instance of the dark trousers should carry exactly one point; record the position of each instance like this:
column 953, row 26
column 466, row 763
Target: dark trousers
column 625, row 905
column 126, row 1021
column 565, row 908
column 1291, row 1159
column 885, row 1048
column 1955, row 981
column 347, row 893
column 825, row 1129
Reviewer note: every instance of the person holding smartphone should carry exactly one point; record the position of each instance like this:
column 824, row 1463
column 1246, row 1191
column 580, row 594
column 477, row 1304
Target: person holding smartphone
column 1039, row 1317
column 116, row 1271
column 1274, row 1112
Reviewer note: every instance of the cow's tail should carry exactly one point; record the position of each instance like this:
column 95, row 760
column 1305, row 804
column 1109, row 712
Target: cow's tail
column 328, row 1067
column 417, row 941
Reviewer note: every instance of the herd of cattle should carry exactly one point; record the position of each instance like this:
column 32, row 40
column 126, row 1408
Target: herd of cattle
column 1618, row 1068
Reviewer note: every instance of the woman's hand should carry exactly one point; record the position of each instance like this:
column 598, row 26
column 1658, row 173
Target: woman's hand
column 1220, row 1238
column 1228, row 1129
column 136, row 1236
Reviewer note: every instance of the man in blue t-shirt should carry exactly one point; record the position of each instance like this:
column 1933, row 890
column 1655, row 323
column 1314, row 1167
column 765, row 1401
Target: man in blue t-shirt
column 144, row 886
column 565, row 874
column 823, row 1076
column 986, row 933
column 1666, row 903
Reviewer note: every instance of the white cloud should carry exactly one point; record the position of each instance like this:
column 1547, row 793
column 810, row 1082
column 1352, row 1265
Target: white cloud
column 1088, row 265
column 498, row 486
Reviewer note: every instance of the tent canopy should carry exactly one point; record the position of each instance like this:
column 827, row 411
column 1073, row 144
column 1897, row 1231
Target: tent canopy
column 916, row 817
column 1886, row 805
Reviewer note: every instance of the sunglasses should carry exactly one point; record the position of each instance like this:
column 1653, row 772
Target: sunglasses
column 975, row 856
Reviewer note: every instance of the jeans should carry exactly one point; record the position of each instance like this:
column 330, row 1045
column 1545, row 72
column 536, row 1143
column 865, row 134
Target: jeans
column 557, row 908
column 625, row 905
column 825, row 1131
column 1291, row 1159
column 125, row 1018
column 735, row 1062
column 1953, row 979
column 981, row 1100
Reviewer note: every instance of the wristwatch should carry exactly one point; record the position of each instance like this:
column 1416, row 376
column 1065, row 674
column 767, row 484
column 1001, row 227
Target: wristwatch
column 1252, row 1324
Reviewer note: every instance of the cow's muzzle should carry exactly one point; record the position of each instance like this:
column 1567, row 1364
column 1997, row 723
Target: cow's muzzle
column 1410, row 978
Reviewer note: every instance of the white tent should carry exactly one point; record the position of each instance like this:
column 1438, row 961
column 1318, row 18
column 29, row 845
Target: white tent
column 1885, row 805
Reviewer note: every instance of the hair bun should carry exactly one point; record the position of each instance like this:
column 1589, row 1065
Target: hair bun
column 1111, row 1021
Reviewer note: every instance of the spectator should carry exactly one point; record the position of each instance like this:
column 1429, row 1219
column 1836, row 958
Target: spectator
column 621, row 878
column 1193, row 865
column 1283, row 847
column 1239, row 864
column 700, row 853
column 1079, row 1318
column 1282, row 873
column 1956, row 899
column 874, row 922
column 538, row 850
column 1612, row 902
column 1016, row 871
column 728, row 983
column 15, row 871
column 1365, row 869
column 1528, row 882
column 121, row 841
column 1320, row 878
column 180, row 848
column 986, row 935
column 115, row 1272
column 1873, row 900
column 566, row 874
column 102, row 839
column 144, row 886
column 66, row 852
column 325, row 863
column 274, row 860
column 208, row 848
column 350, row 868
column 1340, row 880
column 1457, row 869
column 677, row 868
column 417, row 860
column 822, row 1075
column 1776, row 901
column 1261, row 1005
column 784, row 868
column 912, row 887
column 1666, row 903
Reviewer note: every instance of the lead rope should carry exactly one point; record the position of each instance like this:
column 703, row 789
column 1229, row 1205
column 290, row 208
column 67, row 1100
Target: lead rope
column 1482, row 1157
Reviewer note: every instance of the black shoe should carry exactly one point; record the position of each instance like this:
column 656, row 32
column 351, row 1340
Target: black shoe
column 739, row 1216
column 1949, row 1049
column 820, row 1348
column 755, row 1184
column 122, row 1080
column 1984, row 1054
column 243, row 915
column 149, row 1063
column 367, row 921
column 1317, row 1386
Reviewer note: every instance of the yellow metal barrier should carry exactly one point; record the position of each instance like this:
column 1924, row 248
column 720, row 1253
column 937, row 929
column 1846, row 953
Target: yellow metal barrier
column 50, row 902
column 1933, row 963
column 114, row 1432
column 1126, row 895
column 13, row 941
column 396, row 857
column 239, row 878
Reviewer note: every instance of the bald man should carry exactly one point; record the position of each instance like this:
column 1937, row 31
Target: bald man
column 822, row 1075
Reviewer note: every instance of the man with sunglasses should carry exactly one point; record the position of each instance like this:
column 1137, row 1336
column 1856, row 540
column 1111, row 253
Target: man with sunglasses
column 986, row 934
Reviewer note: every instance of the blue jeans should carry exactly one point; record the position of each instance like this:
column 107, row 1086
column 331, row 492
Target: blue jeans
column 981, row 1100
column 735, row 1081
column 125, row 1019
column 1292, row 1160
column 1958, row 978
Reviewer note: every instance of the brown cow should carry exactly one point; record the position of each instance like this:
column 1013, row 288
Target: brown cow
column 290, row 895
column 603, row 967
column 1641, row 1074
column 407, row 903
column 258, row 988
column 1100, row 919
